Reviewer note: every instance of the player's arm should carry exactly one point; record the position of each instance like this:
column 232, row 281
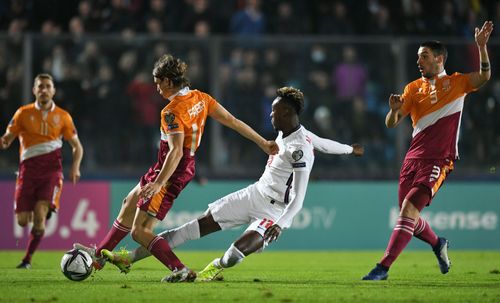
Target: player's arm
column 477, row 79
column 227, row 119
column 7, row 139
column 328, row 146
column 394, row 116
column 77, row 152
column 300, row 180
column 172, row 159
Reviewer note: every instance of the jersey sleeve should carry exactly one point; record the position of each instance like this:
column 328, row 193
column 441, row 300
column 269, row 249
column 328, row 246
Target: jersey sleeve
column 211, row 104
column 69, row 130
column 463, row 81
column 299, row 156
column 172, row 122
column 407, row 99
column 329, row 146
column 15, row 126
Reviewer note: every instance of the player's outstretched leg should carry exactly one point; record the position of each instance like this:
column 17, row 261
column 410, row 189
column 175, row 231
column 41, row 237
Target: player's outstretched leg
column 120, row 259
column 380, row 272
column 211, row 272
column 98, row 262
column 441, row 252
column 180, row 275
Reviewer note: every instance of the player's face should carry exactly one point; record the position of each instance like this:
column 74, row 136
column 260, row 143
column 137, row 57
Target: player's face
column 163, row 87
column 277, row 114
column 427, row 63
column 44, row 91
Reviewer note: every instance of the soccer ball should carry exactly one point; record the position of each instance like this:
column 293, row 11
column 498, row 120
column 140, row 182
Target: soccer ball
column 76, row 265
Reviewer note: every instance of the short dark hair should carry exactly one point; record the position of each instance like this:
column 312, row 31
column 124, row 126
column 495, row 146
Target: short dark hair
column 437, row 48
column 174, row 69
column 43, row 76
column 293, row 97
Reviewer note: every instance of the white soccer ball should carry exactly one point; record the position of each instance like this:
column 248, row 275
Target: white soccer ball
column 76, row 265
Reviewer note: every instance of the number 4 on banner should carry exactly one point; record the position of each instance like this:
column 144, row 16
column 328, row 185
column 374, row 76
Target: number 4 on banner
column 84, row 219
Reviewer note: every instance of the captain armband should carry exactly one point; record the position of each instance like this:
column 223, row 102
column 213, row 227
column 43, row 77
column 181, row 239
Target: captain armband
column 485, row 66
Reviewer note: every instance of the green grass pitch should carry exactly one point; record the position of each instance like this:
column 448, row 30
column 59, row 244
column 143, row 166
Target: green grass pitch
column 273, row 276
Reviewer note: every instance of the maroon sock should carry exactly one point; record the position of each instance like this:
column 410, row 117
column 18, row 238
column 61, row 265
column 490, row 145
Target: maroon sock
column 35, row 239
column 400, row 237
column 424, row 232
column 114, row 236
column 161, row 250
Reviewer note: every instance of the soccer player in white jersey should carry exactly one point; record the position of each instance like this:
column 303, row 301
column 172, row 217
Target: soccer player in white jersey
column 269, row 205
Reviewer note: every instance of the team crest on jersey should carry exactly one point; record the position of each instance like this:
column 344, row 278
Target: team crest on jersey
column 56, row 119
column 297, row 155
column 170, row 118
column 446, row 85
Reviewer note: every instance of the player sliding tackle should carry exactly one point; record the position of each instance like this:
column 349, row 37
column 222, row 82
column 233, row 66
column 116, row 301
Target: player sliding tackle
column 269, row 205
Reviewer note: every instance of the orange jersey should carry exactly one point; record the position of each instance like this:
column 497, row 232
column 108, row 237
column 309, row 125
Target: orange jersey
column 40, row 132
column 187, row 113
column 435, row 107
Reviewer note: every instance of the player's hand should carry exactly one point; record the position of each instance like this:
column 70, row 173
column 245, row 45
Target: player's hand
column 483, row 35
column 357, row 149
column 272, row 233
column 74, row 175
column 149, row 190
column 395, row 102
column 271, row 147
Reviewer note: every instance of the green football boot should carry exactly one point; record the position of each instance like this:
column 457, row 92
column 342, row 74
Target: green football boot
column 209, row 273
column 120, row 259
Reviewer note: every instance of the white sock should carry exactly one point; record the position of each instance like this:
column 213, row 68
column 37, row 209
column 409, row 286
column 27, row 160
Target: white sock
column 174, row 237
column 231, row 257
column 178, row 236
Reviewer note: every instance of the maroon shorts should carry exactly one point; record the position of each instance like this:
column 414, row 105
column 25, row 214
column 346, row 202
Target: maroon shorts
column 159, row 204
column 31, row 190
column 427, row 173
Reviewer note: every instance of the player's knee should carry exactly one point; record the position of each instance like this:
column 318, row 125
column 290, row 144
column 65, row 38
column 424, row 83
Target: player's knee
column 419, row 197
column 22, row 221
column 136, row 233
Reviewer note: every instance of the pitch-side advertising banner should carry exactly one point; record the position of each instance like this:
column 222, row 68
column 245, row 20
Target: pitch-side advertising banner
column 348, row 215
column 83, row 217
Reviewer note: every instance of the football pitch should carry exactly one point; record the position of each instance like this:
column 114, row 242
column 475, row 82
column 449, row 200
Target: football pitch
column 273, row 276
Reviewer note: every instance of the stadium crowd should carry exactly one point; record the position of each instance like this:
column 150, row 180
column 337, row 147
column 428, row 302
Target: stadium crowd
column 342, row 54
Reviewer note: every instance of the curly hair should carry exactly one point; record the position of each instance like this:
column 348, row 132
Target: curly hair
column 293, row 97
column 174, row 69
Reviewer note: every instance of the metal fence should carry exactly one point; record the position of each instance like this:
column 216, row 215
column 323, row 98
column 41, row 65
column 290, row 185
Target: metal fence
column 105, row 82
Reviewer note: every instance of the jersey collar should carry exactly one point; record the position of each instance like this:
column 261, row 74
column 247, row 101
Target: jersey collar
column 51, row 108
column 438, row 76
column 182, row 92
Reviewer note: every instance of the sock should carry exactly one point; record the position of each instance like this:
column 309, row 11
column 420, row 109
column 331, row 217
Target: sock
column 424, row 232
column 114, row 236
column 231, row 257
column 175, row 237
column 161, row 250
column 35, row 239
column 216, row 263
column 400, row 237
column 179, row 235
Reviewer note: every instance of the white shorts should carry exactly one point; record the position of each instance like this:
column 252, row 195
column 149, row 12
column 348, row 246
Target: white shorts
column 246, row 206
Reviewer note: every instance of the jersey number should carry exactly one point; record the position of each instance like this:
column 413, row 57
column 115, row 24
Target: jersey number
column 196, row 138
column 266, row 223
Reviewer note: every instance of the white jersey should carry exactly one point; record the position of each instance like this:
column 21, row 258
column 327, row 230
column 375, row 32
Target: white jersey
column 279, row 194
column 296, row 153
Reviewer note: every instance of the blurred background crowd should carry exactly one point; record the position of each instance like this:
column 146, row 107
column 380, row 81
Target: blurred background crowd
column 346, row 56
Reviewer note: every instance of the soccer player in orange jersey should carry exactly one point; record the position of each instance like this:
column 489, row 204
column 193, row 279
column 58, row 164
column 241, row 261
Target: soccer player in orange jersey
column 434, row 103
column 40, row 127
column 182, row 123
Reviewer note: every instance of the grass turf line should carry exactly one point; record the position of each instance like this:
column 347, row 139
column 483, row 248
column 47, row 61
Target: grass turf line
column 274, row 276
